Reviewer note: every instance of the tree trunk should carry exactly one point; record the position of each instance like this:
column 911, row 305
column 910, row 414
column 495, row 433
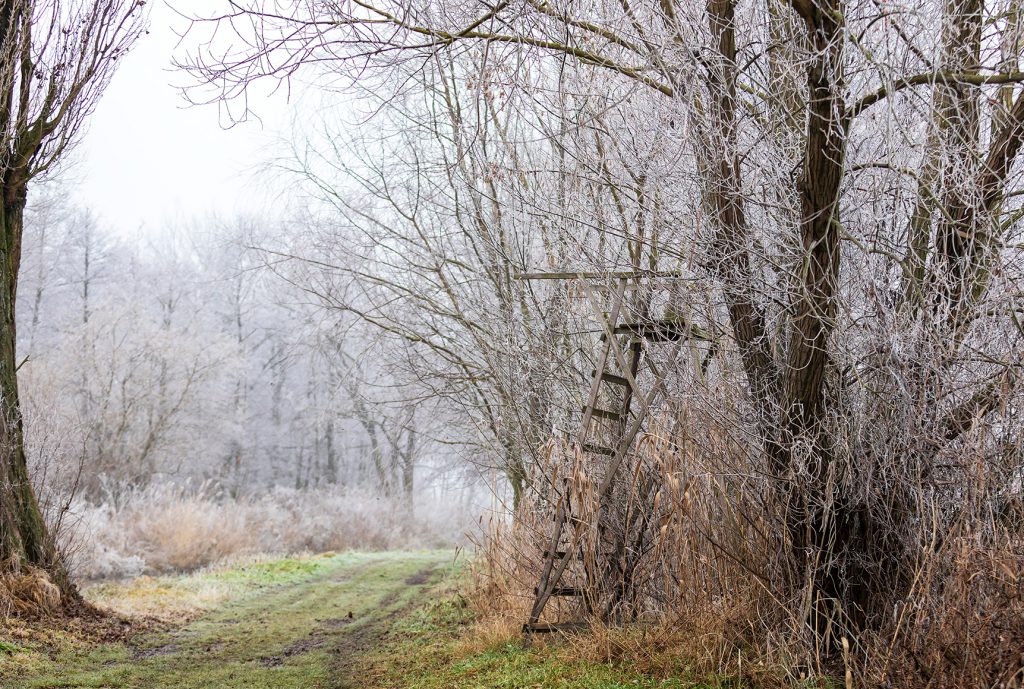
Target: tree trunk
column 24, row 538
column 724, row 200
column 406, row 456
column 822, row 522
column 408, row 465
column 516, row 474
column 332, row 454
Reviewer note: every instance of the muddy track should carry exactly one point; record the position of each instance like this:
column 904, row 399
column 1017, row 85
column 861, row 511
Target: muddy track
column 362, row 639
column 308, row 634
column 172, row 642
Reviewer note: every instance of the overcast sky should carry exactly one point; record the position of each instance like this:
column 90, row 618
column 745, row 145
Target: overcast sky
column 148, row 159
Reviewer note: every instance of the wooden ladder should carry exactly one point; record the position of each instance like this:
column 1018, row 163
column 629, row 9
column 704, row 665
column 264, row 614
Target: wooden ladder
column 615, row 410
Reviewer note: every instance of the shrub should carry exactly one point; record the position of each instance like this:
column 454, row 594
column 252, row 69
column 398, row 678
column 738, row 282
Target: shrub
column 171, row 527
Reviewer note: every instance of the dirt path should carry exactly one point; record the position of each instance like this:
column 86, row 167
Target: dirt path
column 304, row 634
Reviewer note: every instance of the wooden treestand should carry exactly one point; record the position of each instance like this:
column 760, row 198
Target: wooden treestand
column 615, row 410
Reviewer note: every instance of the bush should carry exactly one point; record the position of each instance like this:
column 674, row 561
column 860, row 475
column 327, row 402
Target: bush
column 701, row 574
column 170, row 527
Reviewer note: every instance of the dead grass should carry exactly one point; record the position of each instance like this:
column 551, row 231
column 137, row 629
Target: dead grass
column 966, row 632
column 178, row 528
column 163, row 598
column 181, row 531
column 28, row 593
column 710, row 599
column 488, row 633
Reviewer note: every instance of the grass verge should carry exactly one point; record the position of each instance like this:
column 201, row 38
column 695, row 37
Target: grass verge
column 442, row 646
column 353, row 621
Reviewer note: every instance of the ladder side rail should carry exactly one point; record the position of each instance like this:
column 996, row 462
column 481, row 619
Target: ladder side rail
column 561, row 515
column 595, row 386
column 635, row 355
column 555, row 575
column 634, row 428
column 613, row 339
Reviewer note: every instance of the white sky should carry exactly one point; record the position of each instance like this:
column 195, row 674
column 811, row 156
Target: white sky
column 148, row 159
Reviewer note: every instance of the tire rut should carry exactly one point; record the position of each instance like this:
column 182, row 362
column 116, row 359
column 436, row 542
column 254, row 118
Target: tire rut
column 360, row 641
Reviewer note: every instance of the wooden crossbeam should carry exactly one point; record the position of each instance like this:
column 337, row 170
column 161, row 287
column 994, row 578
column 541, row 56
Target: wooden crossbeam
column 663, row 331
column 612, row 378
column 605, row 414
column 598, row 449
column 562, row 591
column 591, row 275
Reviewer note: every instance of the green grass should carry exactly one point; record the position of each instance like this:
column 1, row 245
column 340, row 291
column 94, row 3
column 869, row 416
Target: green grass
column 182, row 597
column 356, row 621
column 425, row 650
column 7, row 648
column 287, row 624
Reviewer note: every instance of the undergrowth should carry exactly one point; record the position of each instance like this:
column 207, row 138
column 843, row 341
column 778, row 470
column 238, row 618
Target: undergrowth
column 449, row 644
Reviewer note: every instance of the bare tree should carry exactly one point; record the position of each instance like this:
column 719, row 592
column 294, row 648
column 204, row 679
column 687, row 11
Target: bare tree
column 845, row 176
column 55, row 59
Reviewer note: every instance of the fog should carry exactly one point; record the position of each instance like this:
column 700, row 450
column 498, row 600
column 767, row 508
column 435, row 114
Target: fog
column 150, row 158
column 713, row 310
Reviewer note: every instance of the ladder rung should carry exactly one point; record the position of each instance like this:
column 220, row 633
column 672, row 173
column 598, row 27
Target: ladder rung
column 662, row 331
column 603, row 414
column 561, row 555
column 598, row 449
column 611, row 378
column 547, row 627
column 567, row 591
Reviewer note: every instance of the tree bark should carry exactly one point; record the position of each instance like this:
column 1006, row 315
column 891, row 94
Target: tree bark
column 24, row 538
column 958, row 231
column 822, row 522
column 724, row 200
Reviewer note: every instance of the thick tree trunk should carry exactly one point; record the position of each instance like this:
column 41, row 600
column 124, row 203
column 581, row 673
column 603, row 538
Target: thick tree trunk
column 724, row 200
column 828, row 533
column 24, row 538
column 823, row 523
column 957, row 233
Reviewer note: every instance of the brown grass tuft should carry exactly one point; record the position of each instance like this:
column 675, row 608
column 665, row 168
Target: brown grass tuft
column 968, row 632
column 30, row 593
